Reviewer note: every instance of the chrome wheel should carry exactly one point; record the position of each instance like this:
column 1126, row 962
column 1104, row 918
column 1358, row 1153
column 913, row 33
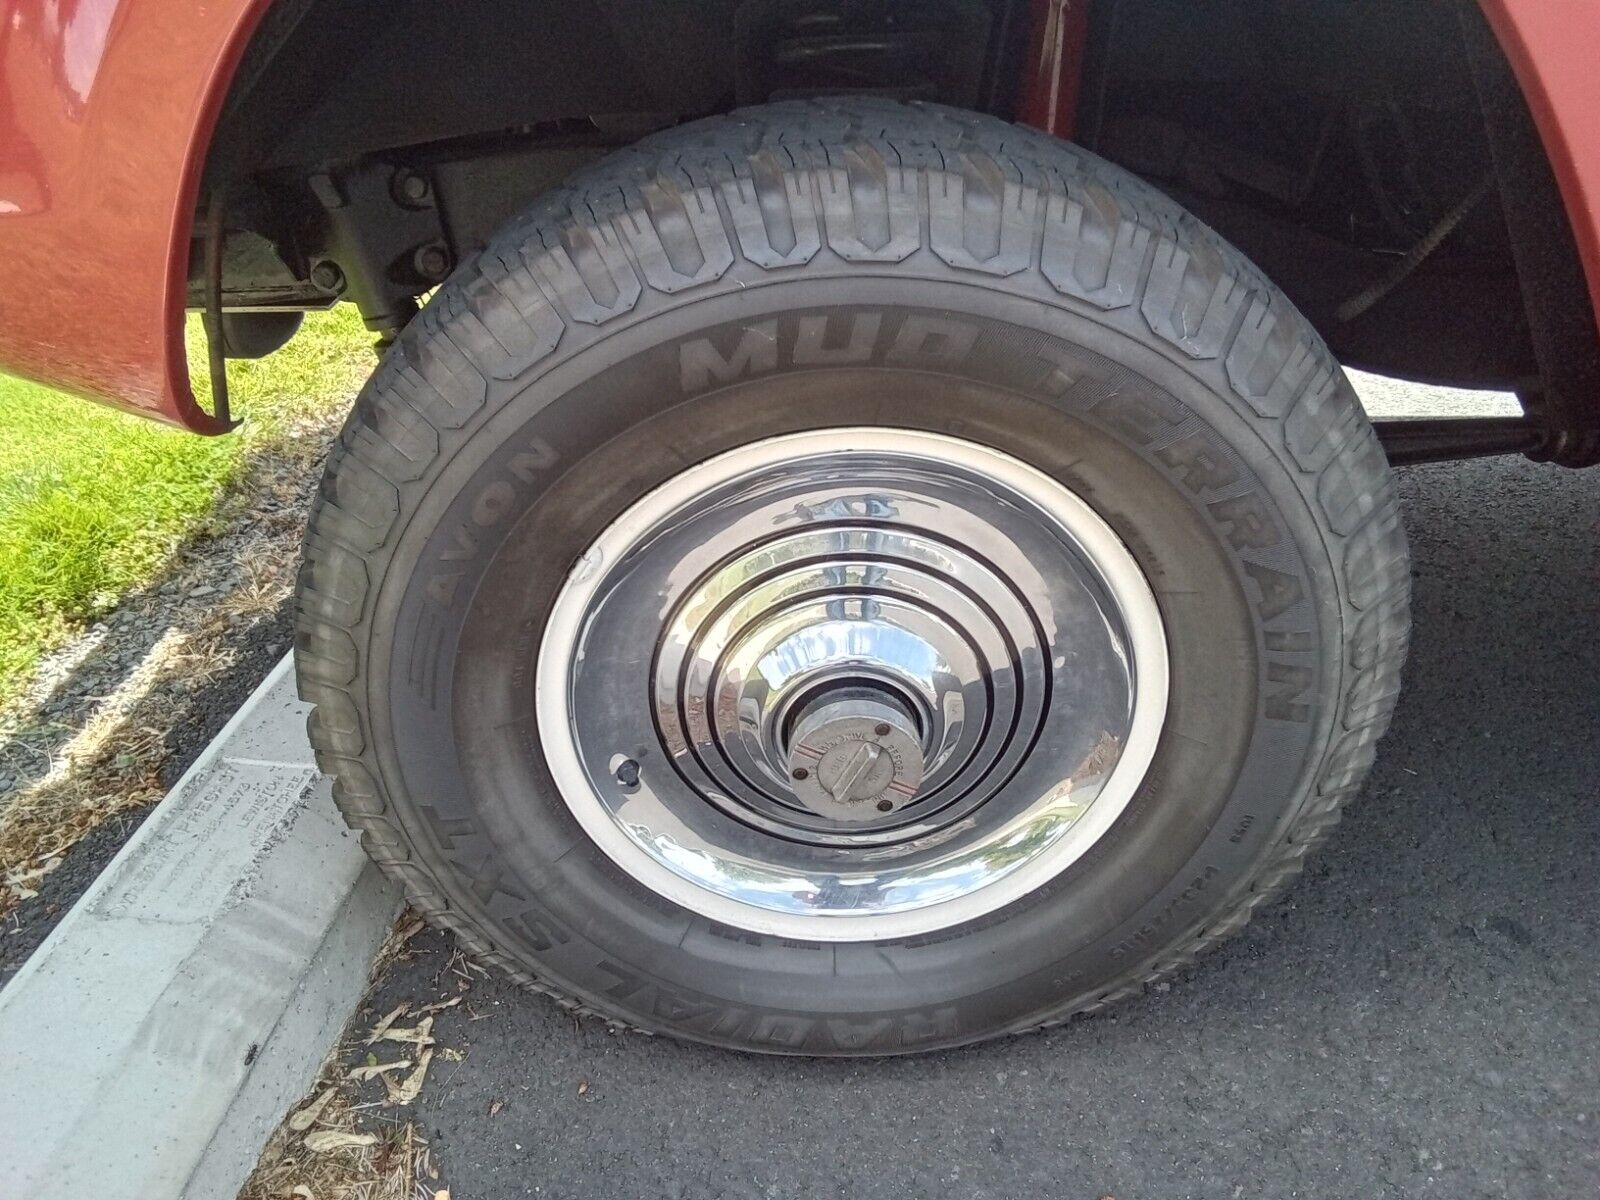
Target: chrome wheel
column 852, row 684
column 856, row 741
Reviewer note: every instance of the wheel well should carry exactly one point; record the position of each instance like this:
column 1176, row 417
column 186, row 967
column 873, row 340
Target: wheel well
column 1329, row 140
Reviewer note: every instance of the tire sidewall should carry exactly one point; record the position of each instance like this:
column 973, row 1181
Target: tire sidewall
column 1222, row 527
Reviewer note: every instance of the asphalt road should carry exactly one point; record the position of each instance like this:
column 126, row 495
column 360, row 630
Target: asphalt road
column 1419, row 1016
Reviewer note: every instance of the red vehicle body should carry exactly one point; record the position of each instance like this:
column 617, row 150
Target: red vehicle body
column 831, row 570
column 103, row 127
column 108, row 107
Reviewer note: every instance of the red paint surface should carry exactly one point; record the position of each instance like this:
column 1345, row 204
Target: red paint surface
column 1552, row 50
column 107, row 107
column 1054, row 66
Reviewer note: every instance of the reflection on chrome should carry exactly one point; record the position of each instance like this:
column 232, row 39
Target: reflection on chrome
column 968, row 648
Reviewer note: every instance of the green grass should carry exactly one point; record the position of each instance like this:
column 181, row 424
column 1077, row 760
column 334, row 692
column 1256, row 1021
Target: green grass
column 94, row 502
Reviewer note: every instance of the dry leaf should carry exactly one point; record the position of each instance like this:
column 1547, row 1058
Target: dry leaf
column 375, row 1070
column 420, row 1034
column 382, row 1026
column 410, row 929
column 415, row 1035
column 452, row 1055
column 325, row 1141
column 307, row 1116
column 583, row 1087
column 411, row 1087
column 18, row 879
column 495, row 1106
column 442, row 1194
column 440, row 1005
column 302, row 1192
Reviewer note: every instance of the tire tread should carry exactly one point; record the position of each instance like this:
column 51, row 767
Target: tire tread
column 774, row 186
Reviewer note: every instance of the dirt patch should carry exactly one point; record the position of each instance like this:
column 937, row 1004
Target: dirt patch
column 351, row 1136
column 30, row 920
column 115, row 717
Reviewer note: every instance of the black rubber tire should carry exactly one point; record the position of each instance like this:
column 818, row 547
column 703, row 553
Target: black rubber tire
column 958, row 274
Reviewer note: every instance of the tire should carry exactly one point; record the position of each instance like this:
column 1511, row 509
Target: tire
column 948, row 289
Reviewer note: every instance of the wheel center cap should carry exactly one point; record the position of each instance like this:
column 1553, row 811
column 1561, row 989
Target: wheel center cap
column 855, row 753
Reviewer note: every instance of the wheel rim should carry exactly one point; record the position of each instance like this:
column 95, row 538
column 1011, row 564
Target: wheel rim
column 851, row 684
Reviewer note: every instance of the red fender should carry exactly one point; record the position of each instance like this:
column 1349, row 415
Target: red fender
column 107, row 108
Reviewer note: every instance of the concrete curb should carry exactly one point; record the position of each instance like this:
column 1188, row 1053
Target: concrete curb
column 155, row 1039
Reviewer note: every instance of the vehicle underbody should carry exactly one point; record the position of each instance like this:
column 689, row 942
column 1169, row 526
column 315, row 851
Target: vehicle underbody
column 1361, row 154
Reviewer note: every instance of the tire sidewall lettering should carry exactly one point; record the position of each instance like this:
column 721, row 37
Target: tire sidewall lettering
column 513, row 476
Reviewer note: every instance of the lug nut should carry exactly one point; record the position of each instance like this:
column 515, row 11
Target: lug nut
column 885, row 805
column 432, row 261
column 801, row 773
column 881, row 729
column 327, row 276
column 411, row 189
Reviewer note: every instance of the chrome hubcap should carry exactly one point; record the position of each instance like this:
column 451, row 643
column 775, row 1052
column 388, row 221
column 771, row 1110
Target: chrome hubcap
column 852, row 684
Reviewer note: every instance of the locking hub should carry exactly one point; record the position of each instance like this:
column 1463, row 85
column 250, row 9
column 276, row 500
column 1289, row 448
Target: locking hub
column 855, row 753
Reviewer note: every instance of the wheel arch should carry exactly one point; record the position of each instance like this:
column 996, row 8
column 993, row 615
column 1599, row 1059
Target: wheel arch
column 1045, row 49
column 165, row 83
column 103, row 137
